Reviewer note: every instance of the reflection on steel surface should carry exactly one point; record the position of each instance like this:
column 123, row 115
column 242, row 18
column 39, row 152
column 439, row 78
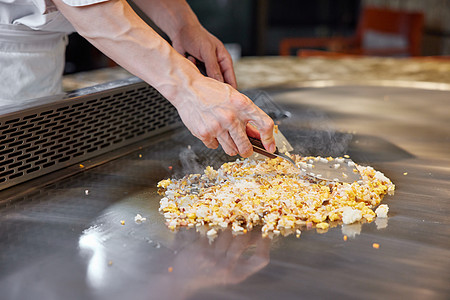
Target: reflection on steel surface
column 405, row 132
column 179, row 268
column 91, row 246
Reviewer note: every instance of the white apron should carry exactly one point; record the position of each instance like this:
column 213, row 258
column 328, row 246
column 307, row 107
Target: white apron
column 31, row 62
column 33, row 38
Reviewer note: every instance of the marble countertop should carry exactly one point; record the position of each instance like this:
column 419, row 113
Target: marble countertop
column 259, row 72
column 273, row 71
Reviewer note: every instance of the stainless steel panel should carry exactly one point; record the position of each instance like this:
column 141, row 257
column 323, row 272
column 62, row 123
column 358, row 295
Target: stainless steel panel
column 50, row 134
column 66, row 241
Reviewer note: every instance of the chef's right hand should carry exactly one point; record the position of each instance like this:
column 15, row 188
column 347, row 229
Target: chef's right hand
column 217, row 114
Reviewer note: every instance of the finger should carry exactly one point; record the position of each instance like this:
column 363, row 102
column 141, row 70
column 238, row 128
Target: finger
column 259, row 119
column 226, row 67
column 212, row 144
column 191, row 59
column 240, row 139
column 265, row 127
column 252, row 131
column 227, row 144
column 212, row 66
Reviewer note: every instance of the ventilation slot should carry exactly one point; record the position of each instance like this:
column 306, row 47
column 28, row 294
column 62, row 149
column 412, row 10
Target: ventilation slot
column 40, row 140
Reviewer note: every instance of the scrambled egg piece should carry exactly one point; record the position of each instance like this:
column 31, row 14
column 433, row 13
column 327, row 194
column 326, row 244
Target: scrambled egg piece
column 270, row 193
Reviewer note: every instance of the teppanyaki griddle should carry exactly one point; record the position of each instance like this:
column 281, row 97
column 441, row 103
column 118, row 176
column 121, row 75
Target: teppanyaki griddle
column 64, row 239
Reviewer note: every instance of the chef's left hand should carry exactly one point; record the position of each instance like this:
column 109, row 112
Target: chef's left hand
column 202, row 45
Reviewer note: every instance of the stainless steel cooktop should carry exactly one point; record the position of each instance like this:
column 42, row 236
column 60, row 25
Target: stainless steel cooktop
column 65, row 240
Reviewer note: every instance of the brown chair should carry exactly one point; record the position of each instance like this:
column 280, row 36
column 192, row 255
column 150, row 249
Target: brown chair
column 380, row 32
column 325, row 54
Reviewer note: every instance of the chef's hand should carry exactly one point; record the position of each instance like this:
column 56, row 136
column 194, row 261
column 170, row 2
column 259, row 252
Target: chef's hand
column 217, row 114
column 213, row 111
column 178, row 21
column 202, row 45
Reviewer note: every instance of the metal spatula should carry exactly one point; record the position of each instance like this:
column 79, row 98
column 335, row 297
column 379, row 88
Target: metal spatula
column 318, row 168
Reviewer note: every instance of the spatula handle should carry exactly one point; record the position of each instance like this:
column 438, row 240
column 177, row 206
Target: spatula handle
column 258, row 147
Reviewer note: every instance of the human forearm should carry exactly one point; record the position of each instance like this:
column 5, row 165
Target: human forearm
column 213, row 111
column 169, row 15
column 117, row 31
column 188, row 36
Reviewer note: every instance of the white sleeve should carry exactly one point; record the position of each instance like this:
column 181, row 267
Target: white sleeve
column 82, row 2
column 39, row 14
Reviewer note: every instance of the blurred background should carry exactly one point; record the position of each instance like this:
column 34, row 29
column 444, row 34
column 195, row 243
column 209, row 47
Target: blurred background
column 398, row 28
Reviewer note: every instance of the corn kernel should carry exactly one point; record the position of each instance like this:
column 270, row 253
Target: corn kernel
column 323, row 225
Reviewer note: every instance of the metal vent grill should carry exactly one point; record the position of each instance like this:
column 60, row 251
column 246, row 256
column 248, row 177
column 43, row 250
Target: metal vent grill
column 39, row 140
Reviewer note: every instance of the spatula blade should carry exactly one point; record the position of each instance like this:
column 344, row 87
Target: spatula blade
column 282, row 143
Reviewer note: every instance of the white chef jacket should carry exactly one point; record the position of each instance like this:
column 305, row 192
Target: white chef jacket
column 33, row 38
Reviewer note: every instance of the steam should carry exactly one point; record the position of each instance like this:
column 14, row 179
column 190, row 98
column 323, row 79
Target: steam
column 310, row 132
column 317, row 135
column 190, row 161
